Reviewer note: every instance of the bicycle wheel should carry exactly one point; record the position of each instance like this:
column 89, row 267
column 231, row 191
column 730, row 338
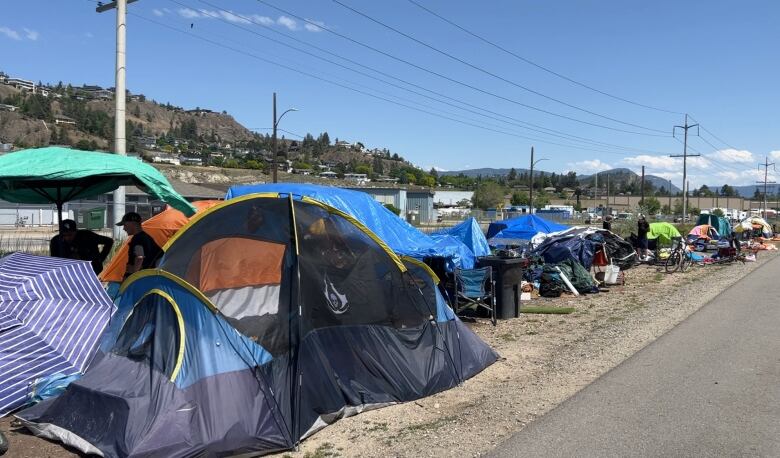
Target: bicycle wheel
column 685, row 262
column 672, row 262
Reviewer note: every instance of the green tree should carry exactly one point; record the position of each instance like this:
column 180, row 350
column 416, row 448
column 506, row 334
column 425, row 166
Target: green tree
column 665, row 209
column 718, row 212
column 512, row 176
column 519, row 198
column 678, row 207
column 650, row 205
column 694, row 211
column 728, row 191
column 488, row 195
column 377, row 165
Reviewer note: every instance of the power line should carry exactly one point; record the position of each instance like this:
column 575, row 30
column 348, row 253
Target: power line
column 453, row 80
column 713, row 135
column 468, row 123
column 539, row 66
column 522, row 124
column 489, row 73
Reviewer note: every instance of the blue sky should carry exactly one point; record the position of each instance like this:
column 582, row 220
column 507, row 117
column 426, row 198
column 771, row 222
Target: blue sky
column 716, row 60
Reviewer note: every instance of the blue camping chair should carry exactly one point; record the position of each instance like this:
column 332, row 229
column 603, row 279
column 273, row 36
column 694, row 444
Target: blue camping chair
column 474, row 288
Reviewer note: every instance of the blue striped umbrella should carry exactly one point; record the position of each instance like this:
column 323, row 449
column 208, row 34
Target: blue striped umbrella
column 52, row 314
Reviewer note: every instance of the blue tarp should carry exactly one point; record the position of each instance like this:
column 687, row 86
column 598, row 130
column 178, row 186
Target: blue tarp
column 399, row 235
column 522, row 228
column 470, row 234
column 463, row 256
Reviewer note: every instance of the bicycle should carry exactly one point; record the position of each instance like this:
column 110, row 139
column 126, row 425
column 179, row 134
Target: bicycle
column 679, row 258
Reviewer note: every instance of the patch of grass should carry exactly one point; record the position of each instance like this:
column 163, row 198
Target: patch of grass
column 531, row 333
column 548, row 310
column 615, row 319
column 379, row 426
column 658, row 277
column 325, row 450
column 507, row 337
column 428, row 426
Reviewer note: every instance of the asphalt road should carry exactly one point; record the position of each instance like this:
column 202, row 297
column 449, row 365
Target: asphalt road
column 709, row 387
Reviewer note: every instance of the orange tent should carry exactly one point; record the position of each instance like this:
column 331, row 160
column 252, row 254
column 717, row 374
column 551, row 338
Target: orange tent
column 160, row 227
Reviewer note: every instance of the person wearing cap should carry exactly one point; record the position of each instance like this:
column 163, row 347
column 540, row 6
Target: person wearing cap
column 74, row 243
column 143, row 252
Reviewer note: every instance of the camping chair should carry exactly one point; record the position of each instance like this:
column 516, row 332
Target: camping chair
column 470, row 291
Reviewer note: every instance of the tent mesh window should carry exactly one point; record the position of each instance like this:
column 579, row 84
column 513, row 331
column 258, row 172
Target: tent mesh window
column 140, row 341
column 347, row 278
column 241, row 257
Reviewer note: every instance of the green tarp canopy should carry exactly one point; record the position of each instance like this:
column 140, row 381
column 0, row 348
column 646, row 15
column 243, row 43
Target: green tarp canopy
column 664, row 232
column 58, row 175
column 720, row 224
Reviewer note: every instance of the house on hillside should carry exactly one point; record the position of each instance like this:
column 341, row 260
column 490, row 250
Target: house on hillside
column 302, row 171
column 4, row 107
column 19, row 83
column 64, row 120
column 385, row 179
column 357, row 178
column 184, row 160
column 164, row 158
column 328, row 174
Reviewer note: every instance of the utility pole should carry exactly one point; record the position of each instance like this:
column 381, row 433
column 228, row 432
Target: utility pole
column 685, row 157
column 607, row 190
column 686, row 204
column 766, row 165
column 119, row 99
column 670, row 196
column 642, row 188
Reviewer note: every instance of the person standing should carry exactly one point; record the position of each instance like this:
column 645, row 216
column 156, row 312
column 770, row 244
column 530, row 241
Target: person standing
column 642, row 228
column 72, row 243
column 143, row 252
column 607, row 223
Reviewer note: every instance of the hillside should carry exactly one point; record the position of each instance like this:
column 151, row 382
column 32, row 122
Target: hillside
column 34, row 122
column 489, row 172
column 622, row 177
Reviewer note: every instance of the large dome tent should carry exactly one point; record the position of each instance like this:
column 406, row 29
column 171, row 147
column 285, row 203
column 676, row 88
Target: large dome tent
column 315, row 318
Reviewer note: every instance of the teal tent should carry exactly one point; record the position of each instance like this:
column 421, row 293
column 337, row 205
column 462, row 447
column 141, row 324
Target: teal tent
column 58, row 175
column 720, row 223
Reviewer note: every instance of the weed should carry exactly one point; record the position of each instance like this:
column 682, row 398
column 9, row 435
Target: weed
column 615, row 319
column 323, row 451
column 531, row 333
column 428, row 426
column 507, row 337
column 379, row 426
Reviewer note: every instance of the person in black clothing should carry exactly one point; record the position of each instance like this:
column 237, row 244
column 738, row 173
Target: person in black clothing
column 642, row 227
column 72, row 243
column 607, row 224
column 143, row 252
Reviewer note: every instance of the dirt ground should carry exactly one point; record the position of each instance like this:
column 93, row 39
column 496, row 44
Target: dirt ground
column 545, row 359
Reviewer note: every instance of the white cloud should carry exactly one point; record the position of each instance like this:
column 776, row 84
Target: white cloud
column 654, row 162
column 10, row 33
column 31, row 34
column 287, row 22
column 188, row 13
column 314, row 26
column 89, row 35
column 157, row 12
column 732, row 155
column 774, row 155
column 264, row 20
column 589, row 166
column 232, row 17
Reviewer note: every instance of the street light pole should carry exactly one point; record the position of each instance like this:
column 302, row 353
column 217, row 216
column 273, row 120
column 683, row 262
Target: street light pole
column 273, row 143
column 531, row 188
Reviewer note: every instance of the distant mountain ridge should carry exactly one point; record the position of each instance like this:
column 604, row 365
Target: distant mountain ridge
column 616, row 176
